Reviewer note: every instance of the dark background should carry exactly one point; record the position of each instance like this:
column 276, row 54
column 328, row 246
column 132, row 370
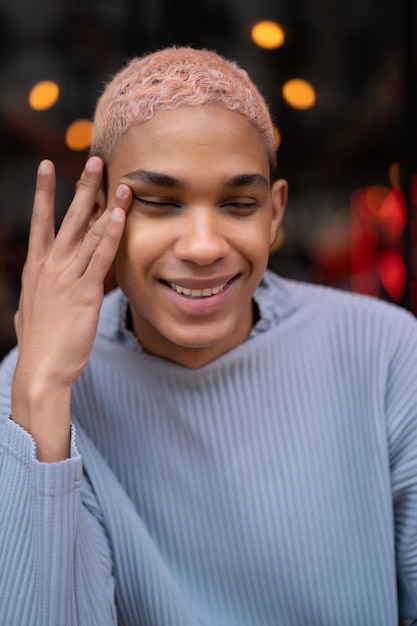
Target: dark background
column 360, row 56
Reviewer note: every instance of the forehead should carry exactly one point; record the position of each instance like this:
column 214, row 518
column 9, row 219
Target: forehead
column 191, row 140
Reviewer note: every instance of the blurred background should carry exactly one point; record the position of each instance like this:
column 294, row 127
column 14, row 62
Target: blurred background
column 340, row 79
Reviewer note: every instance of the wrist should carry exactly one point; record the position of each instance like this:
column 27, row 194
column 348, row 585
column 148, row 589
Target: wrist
column 43, row 410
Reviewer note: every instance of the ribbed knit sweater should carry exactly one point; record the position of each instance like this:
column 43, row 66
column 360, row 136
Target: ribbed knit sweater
column 276, row 486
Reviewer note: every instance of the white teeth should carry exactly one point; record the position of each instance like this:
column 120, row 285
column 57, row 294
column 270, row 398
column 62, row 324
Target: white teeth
column 198, row 293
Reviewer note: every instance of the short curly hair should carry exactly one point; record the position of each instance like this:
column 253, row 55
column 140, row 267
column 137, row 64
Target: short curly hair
column 170, row 78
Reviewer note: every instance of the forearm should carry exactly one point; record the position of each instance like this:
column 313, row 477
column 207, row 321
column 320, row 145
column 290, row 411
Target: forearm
column 50, row 571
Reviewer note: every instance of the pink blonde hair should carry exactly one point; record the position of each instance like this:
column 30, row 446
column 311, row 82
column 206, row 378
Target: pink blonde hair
column 170, row 78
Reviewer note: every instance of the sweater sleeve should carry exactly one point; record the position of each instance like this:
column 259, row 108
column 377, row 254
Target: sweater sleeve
column 55, row 560
column 401, row 412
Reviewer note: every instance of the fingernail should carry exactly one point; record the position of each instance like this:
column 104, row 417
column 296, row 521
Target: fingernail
column 122, row 191
column 93, row 164
column 44, row 167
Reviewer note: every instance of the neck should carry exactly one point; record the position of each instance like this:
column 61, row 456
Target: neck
column 188, row 356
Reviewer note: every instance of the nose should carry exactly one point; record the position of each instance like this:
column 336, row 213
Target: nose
column 202, row 239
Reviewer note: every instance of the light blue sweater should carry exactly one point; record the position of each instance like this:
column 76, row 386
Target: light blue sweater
column 276, row 486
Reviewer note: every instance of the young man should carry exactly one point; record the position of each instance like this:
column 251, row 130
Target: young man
column 213, row 445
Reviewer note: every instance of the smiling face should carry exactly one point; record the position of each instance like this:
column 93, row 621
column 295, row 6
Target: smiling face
column 198, row 233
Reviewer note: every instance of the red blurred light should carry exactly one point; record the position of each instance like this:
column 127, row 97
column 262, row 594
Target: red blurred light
column 378, row 218
column 393, row 212
column 392, row 272
column 373, row 198
column 364, row 246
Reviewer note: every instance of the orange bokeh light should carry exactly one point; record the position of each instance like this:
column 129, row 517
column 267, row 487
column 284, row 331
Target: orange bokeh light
column 43, row 95
column 78, row 135
column 268, row 34
column 277, row 136
column 299, row 93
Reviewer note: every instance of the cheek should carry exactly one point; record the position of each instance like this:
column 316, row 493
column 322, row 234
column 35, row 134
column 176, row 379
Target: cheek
column 253, row 241
column 141, row 245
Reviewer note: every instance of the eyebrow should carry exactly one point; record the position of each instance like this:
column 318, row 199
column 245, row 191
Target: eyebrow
column 154, row 178
column 165, row 180
column 247, row 180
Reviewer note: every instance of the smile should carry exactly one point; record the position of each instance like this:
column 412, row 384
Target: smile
column 198, row 293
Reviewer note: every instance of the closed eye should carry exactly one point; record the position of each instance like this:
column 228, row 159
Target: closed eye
column 240, row 207
column 156, row 202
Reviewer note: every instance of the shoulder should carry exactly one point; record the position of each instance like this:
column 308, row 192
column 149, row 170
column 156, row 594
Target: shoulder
column 289, row 295
column 321, row 307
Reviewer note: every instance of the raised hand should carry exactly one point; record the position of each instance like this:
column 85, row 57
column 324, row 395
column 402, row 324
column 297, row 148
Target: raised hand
column 62, row 292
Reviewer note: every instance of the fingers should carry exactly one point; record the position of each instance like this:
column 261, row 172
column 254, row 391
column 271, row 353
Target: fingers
column 105, row 252
column 71, row 249
column 78, row 215
column 42, row 230
column 42, row 227
column 100, row 245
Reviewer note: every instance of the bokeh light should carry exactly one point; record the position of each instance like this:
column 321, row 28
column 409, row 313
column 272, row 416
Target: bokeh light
column 392, row 272
column 385, row 206
column 78, row 135
column 378, row 218
column 43, row 95
column 299, row 93
column 268, row 34
column 393, row 212
column 394, row 174
column 373, row 197
column 277, row 134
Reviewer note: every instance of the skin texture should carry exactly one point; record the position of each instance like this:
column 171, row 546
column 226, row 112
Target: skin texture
column 199, row 228
column 205, row 217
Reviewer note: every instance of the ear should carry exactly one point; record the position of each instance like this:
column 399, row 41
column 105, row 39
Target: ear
column 279, row 195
